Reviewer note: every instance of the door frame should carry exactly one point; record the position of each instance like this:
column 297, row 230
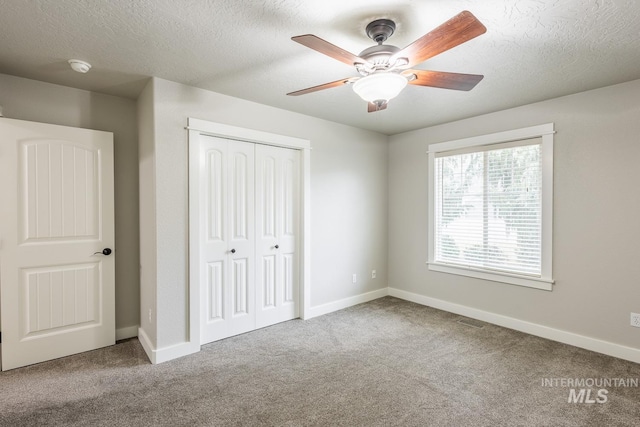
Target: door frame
column 197, row 127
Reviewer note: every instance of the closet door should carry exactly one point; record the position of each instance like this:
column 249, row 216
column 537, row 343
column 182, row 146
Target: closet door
column 228, row 244
column 277, row 229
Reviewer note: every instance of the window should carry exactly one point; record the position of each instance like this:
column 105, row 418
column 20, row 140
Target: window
column 491, row 204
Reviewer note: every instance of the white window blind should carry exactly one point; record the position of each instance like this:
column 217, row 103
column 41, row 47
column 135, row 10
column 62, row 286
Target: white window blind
column 488, row 207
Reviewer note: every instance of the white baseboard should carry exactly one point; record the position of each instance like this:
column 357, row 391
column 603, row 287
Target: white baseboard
column 593, row 344
column 146, row 345
column 344, row 303
column 174, row 351
column 588, row 343
column 126, row 332
column 166, row 353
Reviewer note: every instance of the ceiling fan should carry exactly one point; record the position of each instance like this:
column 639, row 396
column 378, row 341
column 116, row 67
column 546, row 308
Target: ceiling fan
column 385, row 69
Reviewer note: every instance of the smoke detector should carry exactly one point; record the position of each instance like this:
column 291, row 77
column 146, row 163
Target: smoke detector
column 79, row 66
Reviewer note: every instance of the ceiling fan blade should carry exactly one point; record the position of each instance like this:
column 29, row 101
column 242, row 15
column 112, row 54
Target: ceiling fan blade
column 323, row 86
column 444, row 80
column 374, row 106
column 457, row 30
column 323, row 46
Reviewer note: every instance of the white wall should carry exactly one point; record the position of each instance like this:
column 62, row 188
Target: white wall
column 596, row 210
column 36, row 101
column 596, row 202
column 348, row 199
column 147, row 220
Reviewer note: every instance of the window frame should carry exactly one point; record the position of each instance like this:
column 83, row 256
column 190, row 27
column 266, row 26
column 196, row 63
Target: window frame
column 545, row 132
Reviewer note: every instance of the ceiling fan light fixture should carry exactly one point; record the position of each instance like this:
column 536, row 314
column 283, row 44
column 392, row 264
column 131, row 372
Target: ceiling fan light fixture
column 380, row 86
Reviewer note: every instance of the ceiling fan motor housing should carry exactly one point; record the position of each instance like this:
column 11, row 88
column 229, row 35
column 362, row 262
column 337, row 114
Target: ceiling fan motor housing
column 379, row 56
column 379, row 53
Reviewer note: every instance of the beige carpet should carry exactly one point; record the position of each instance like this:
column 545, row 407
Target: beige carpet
column 384, row 363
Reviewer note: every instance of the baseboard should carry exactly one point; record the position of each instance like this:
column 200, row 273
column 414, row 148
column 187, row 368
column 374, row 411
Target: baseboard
column 165, row 354
column 588, row 343
column 126, row 332
column 147, row 345
column 344, row 303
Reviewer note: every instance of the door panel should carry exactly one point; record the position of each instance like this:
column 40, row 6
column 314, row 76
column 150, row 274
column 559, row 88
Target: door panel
column 61, row 198
column 267, row 204
column 57, row 293
column 277, row 219
column 268, row 282
column 215, row 201
column 289, row 273
column 238, row 196
column 227, row 188
column 241, row 244
column 59, row 298
column 215, row 292
column 214, row 219
column 289, row 194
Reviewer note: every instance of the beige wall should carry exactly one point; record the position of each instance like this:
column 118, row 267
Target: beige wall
column 47, row 103
column 348, row 199
column 596, row 209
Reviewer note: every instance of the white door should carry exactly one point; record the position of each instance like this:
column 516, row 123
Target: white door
column 227, row 248
column 56, row 218
column 277, row 219
column 248, row 222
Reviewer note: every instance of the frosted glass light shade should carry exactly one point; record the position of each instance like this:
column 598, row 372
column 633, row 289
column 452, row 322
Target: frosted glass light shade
column 380, row 87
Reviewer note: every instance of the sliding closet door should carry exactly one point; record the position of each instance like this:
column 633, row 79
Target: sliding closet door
column 277, row 229
column 228, row 242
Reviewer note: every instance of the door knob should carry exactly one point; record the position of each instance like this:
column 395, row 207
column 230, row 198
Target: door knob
column 233, row 251
column 277, row 246
column 105, row 251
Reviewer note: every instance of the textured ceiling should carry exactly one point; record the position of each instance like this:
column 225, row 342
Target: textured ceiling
column 532, row 50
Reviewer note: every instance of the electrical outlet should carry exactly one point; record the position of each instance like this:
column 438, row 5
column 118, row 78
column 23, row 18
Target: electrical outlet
column 373, row 274
column 635, row 320
column 150, row 316
column 354, row 279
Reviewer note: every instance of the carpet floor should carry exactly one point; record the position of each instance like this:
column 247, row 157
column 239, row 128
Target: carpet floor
column 384, row 363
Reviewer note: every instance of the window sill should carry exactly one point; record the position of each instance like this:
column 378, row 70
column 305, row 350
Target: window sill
column 512, row 279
